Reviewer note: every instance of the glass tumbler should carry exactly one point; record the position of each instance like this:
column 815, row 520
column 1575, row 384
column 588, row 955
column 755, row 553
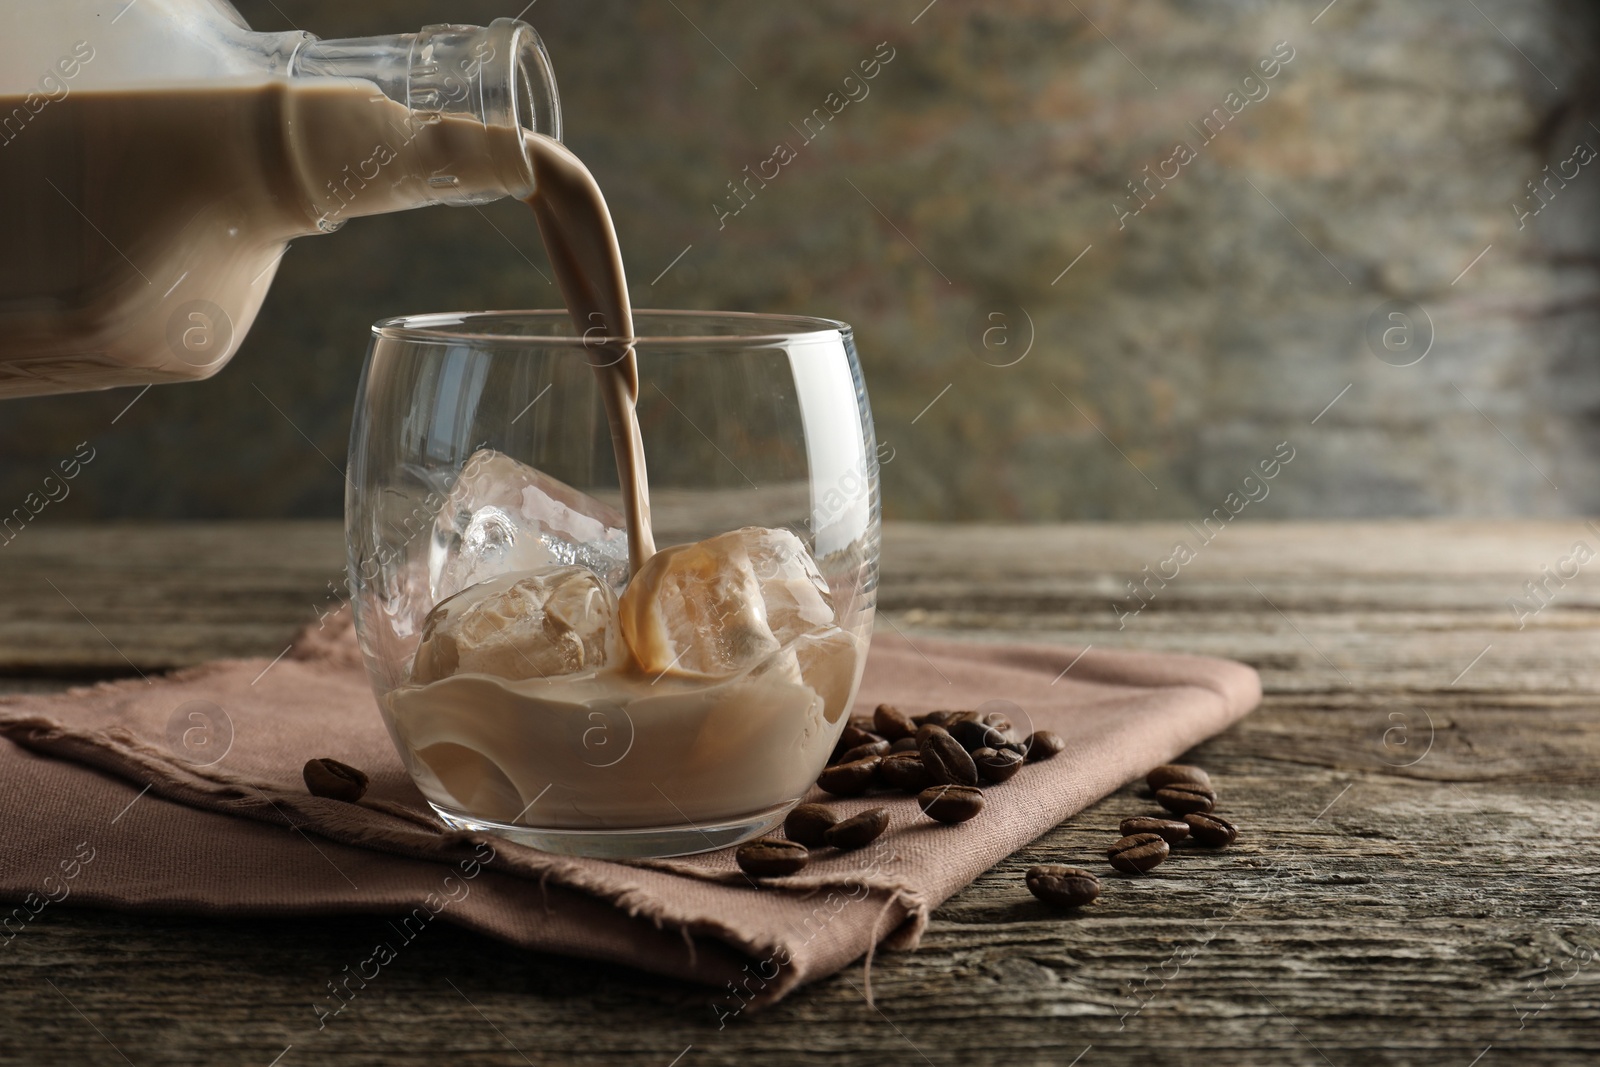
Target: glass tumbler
column 533, row 686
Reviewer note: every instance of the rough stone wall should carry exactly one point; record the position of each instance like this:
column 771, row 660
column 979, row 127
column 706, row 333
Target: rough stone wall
column 1216, row 312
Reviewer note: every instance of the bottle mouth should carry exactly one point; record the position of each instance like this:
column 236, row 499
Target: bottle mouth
column 530, row 81
column 535, row 101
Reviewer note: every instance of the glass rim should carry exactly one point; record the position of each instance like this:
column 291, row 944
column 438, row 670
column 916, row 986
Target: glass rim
column 455, row 327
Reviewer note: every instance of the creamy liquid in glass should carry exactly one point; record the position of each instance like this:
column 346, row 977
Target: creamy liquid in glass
column 631, row 745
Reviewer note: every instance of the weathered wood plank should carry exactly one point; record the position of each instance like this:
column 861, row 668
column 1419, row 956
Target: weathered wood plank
column 1415, row 883
column 1408, row 601
column 1402, row 925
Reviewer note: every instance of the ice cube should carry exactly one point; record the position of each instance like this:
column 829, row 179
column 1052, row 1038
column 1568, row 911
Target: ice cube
column 830, row 664
column 723, row 605
column 502, row 515
column 826, row 662
column 555, row 621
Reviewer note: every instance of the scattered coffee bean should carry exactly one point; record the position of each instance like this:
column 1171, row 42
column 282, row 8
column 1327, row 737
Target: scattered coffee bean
column 890, row 722
column 974, row 734
column 1063, row 887
column 772, row 857
column 1138, row 853
column 849, row 779
column 947, row 761
column 860, row 752
column 854, row 735
column 334, row 780
column 906, row 772
column 1212, row 830
column 996, row 765
column 905, row 744
column 1169, row 830
column 950, row 803
column 858, row 830
column 1019, row 747
column 1043, row 745
column 808, row 822
column 934, row 718
column 1169, row 773
column 1181, row 798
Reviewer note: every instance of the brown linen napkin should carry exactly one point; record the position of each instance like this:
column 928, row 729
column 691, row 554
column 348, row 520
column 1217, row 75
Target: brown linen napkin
column 107, row 805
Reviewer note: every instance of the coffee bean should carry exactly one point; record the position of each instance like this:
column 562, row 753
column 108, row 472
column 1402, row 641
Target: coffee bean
column 1168, row 773
column 849, row 779
column 973, row 734
column 935, row 718
column 808, row 822
column 905, row 744
column 996, row 765
column 771, row 857
column 950, row 803
column 860, row 752
column 906, row 772
column 1138, row 853
column 1169, row 830
column 892, row 723
column 1019, row 747
column 1063, row 887
column 947, row 761
column 1043, row 745
column 854, row 735
column 1181, row 798
column 859, row 830
column 1212, row 830
column 334, row 780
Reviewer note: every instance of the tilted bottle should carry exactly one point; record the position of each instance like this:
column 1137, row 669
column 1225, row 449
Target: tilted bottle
column 157, row 156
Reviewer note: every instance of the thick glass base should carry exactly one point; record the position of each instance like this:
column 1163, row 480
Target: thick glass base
column 643, row 842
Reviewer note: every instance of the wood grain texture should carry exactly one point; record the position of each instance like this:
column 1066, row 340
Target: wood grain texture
column 1416, row 880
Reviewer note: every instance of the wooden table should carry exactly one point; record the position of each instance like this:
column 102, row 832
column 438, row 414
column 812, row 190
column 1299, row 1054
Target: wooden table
column 1417, row 881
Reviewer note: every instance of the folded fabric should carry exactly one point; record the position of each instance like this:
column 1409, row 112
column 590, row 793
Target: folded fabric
column 114, row 799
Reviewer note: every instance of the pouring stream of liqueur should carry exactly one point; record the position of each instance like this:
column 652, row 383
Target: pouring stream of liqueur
column 582, row 242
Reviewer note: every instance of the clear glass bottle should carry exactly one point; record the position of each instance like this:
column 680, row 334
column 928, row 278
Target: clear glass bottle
column 156, row 157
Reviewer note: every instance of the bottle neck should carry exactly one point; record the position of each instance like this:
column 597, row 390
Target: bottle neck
column 381, row 124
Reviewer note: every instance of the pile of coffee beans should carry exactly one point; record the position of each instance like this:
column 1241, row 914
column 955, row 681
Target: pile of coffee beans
column 1187, row 793
column 943, row 758
column 1147, row 840
column 810, row 826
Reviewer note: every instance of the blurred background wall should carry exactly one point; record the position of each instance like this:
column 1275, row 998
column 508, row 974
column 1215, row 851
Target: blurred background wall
column 1041, row 338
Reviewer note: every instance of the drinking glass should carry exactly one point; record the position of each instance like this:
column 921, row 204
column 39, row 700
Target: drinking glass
column 481, row 461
